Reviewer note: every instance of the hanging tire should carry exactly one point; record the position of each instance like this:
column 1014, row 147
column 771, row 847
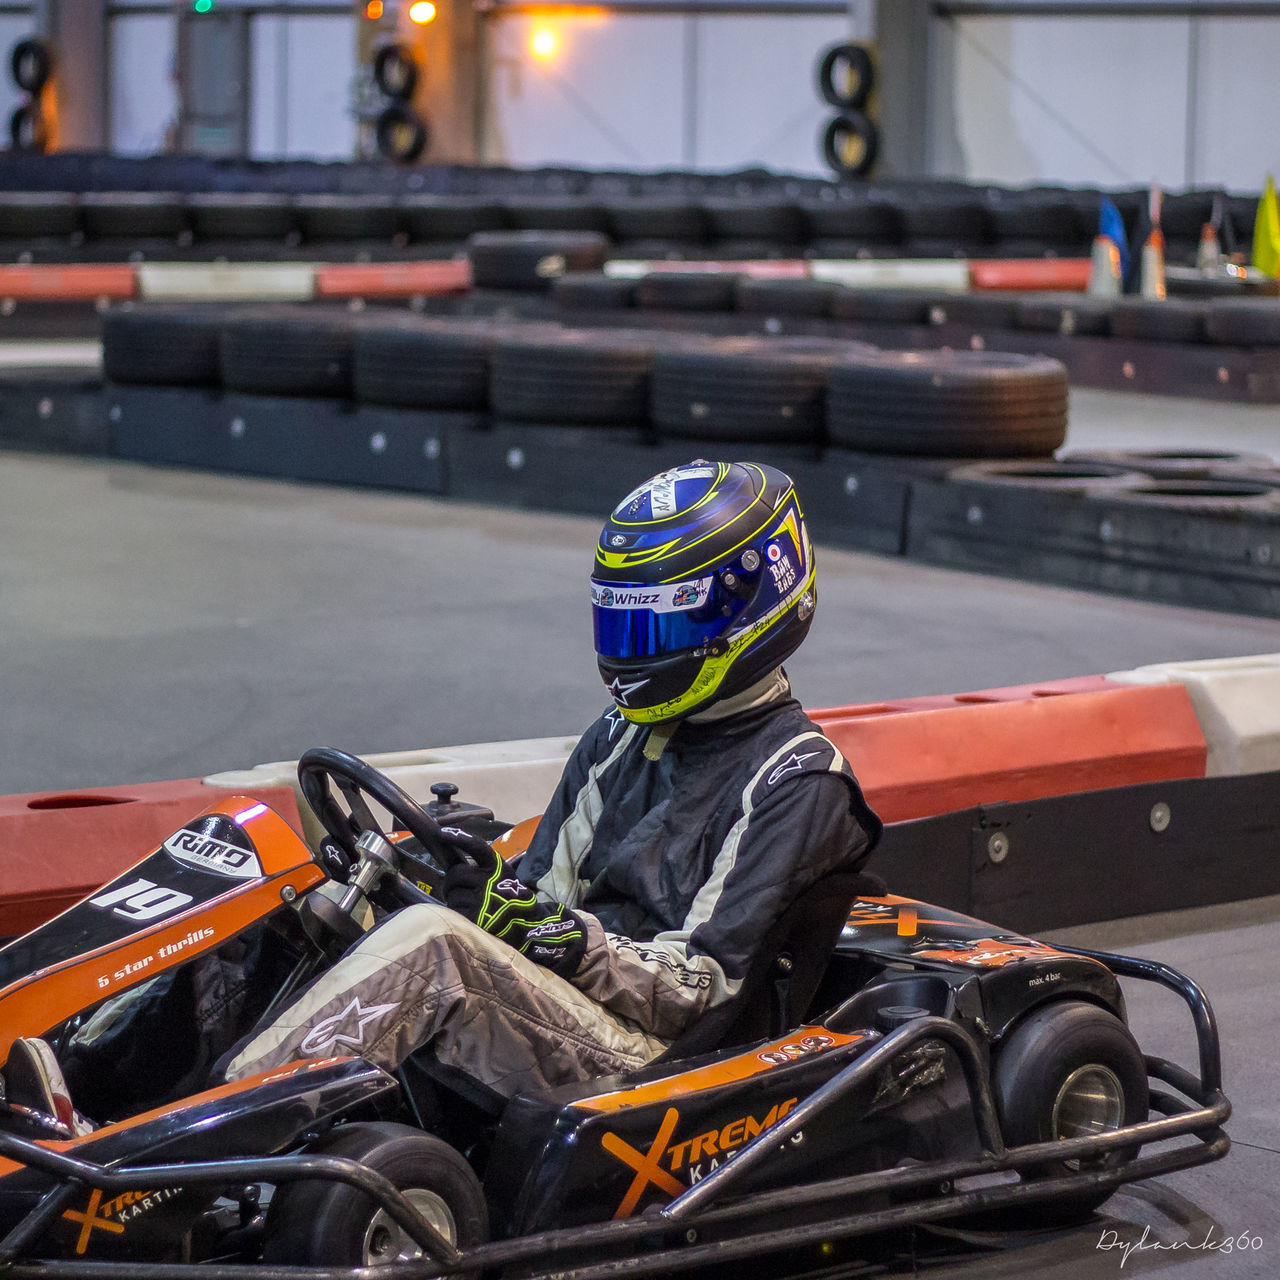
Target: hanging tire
column 395, row 71
column 1067, row 1070
column 332, row 1224
column 401, row 133
column 851, row 143
column 31, row 65
column 846, row 76
column 28, row 130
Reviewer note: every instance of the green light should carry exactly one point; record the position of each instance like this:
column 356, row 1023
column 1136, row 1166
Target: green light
column 202, row 6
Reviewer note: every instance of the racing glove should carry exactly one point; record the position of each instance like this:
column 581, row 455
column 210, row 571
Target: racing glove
column 486, row 893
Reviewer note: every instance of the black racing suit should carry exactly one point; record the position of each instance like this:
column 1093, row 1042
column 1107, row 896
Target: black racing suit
column 677, row 866
column 680, row 865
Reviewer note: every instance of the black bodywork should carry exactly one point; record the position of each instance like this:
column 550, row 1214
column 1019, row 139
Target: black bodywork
column 877, row 1112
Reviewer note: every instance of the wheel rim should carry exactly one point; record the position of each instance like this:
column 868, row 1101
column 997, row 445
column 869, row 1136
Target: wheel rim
column 385, row 1241
column 1091, row 1100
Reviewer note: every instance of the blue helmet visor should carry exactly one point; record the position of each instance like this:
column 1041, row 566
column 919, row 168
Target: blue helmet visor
column 649, row 622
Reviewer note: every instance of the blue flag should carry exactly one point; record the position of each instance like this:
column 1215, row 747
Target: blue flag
column 1111, row 225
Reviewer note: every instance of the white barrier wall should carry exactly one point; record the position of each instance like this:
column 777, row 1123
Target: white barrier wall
column 657, row 91
column 1106, row 101
column 142, row 95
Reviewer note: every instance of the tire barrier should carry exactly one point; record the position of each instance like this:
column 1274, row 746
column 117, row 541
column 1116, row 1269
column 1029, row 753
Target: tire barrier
column 532, row 259
column 285, row 351
column 948, row 404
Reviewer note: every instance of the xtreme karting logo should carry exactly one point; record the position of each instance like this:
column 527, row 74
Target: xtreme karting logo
column 674, row 1166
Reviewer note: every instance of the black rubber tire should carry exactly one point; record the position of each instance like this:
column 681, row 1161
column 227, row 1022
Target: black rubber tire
column 801, row 297
column 1065, row 313
column 1233, row 497
column 423, row 363
column 1055, row 223
column 288, row 351
column 401, row 133
column 593, row 291
column 977, row 310
column 740, row 390
column 949, row 404
column 584, row 377
column 772, row 222
column 26, row 215
column 851, row 144
column 886, row 306
column 544, row 213
column 131, row 215
column 687, row 291
column 28, row 129
column 240, row 215
column 1244, row 322
column 640, row 219
column 346, row 217
column 846, row 76
column 163, row 345
column 1036, row 1059
column 866, row 221
column 940, row 226
column 1163, row 320
column 532, row 259
column 1061, row 476
column 30, row 65
column 1173, row 464
column 324, row 1223
column 431, row 218
column 395, row 71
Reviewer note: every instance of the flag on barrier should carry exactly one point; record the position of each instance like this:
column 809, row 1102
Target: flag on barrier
column 1266, row 231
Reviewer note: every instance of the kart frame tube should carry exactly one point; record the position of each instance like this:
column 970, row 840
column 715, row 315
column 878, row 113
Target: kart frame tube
column 691, row 1210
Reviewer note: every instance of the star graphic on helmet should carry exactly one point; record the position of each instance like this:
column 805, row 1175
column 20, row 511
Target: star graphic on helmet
column 621, row 692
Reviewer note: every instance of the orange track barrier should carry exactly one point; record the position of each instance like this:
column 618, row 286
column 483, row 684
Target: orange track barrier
column 60, row 845
column 392, row 279
column 917, row 761
column 1066, row 274
column 47, row 283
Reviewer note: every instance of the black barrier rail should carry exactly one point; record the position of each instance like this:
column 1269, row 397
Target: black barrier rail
column 575, row 1252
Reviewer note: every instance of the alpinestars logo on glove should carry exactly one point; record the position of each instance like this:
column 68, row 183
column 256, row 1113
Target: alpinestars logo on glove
column 326, row 1035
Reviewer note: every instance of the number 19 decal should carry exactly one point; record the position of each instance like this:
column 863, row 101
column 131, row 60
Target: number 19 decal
column 142, row 900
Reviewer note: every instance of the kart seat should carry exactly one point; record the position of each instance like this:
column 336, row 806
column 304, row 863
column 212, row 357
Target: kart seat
column 784, row 976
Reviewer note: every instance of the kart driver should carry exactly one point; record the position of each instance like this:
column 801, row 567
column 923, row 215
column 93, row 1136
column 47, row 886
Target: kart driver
column 689, row 817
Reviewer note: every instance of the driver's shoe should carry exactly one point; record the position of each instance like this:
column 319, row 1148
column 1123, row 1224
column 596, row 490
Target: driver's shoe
column 34, row 1081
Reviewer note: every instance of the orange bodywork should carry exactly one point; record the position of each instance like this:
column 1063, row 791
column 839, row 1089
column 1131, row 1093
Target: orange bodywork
column 43, row 999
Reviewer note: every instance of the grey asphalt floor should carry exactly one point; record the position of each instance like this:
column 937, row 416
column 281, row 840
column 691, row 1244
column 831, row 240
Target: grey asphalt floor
column 158, row 624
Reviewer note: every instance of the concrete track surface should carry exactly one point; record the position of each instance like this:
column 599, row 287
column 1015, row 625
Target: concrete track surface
column 161, row 624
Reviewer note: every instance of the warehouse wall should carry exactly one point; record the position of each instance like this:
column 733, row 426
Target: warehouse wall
column 1183, row 102
column 659, row 91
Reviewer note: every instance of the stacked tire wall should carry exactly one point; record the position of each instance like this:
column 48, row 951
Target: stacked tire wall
column 943, row 456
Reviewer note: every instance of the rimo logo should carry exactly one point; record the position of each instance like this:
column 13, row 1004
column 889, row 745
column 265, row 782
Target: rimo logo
column 207, row 853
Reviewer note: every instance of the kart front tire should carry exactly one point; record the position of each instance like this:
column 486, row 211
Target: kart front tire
column 1069, row 1069
column 333, row 1224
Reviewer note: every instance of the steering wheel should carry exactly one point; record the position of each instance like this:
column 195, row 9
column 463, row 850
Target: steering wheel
column 356, row 779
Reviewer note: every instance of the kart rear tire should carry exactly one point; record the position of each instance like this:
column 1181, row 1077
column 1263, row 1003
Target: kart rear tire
column 1063, row 1044
column 332, row 1224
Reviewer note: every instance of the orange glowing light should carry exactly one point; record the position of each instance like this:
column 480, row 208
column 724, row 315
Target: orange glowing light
column 373, row 10
column 422, row 12
column 544, row 44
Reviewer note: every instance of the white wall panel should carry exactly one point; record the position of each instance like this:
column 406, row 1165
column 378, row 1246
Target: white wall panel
column 613, row 96
column 1237, row 94
column 142, row 95
column 13, row 27
column 1070, row 100
column 300, row 74
column 756, row 97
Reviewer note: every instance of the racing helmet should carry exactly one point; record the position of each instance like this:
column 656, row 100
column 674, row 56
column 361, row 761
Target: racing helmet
column 703, row 584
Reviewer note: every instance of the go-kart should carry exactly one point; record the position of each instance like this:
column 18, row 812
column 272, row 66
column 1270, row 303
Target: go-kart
column 885, row 1063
